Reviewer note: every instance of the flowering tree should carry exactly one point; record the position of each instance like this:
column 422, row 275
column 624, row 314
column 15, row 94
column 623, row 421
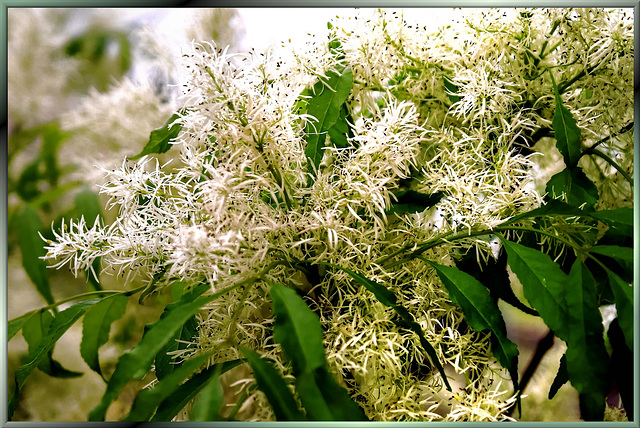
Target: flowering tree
column 338, row 228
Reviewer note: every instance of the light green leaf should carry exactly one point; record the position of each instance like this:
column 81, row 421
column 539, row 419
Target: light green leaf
column 566, row 131
column 58, row 327
column 275, row 388
column 148, row 400
column 388, row 298
column 543, row 284
column 587, row 357
column 159, row 140
column 16, row 324
column 170, row 406
column 209, row 403
column 481, row 313
column 623, row 293
column 96, row 326
column 32, row 248
column 324, row 105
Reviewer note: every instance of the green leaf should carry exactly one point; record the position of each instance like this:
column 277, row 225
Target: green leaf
column 561, row 378
column 52, row 138
column 299, row 332
column 450, row 89
column 410, row 201
column 148, row 400
column 481, row 313
column 137, row 362
column 623, row 293
column 159, row 140
column 543, row 284
column 32, row 248
column 550, row 208
column 620, row 219
column 16, row 324
column 209, row 403
column 96, row 326
column 58, row 327
column 340, row 131
column 623, row 256
column 566, row 131
column 275, row 388
column 587, row 357
column 574, row 187
column 622, row 363
column 388, row 298
column 170, row 406
column 324, row 105
column 88, row 206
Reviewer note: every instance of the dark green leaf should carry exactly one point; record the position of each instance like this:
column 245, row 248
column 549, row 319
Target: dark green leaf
column 27, row 185
column 567, row 132
column 620, row 218
column 574, row 187
column 148, row 400
column 550, row 208
column 622, row 364
column 481, row 313
column 388, row 298
column 324, row 105
column 137, row 362
column 450, row 89
column 96, row 326
column 209, row 403
column 88, row 206
column 587, row 358
column 159, row 140
column 410, row 201
column 58, row 327
column 623, row 256
column 52, row 138
column 16, row 324
column 543, row 284
column 32, row 248
column 170, row 406
column 275, row 388
column 623, row 293
column 561, row 378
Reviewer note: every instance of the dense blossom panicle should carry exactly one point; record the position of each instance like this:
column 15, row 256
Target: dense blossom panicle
column 442, row 113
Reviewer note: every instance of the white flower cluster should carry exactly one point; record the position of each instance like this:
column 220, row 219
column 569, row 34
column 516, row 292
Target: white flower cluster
column 436, row 113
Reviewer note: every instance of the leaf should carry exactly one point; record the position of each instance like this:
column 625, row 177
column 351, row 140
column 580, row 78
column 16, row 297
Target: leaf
column 543, row 284
column 623, row 293
column 450, row 89
column 159, row 139
column 209, row 403
column 387, row 298
column 340, row 131
column 622, row 363
column 96, row 326
column 623, row 256
column 620, row 219
column 58, row 327
column 32, row 248
column 410, row 201
column 566, row 131
column 550, row 208
column 299, row 332
column 148, row 400
column 270, row 382
column 481, row 313
column 52, row 138
column 88, row 206
column 587, row 357
column 137, row 362
column 170, row 406
column 561, row 378
column 574, row 187
column 16, row 324
column 324, row 105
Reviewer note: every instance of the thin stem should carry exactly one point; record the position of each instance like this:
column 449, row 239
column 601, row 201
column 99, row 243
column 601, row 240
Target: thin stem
column 628, row 127
column 613, row 164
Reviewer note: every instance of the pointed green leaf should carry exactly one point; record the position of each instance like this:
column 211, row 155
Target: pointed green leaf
column 208, row 405
column 543, row 283
column 58, row 327
column 622, row 363
column 340, row 131
column 574, row 187
column 620, row 219
column 324, row 105
column 174, row 403
column 137, row 362
column 567, row 132
column 561, row 378
column 148, row 400
column 159, row 140
column 623, row 293
column 275, row 388
column 587, row 357
column 165, row 363
column 16, row 324
column 481, row 313
column 96, row 326
column 387, row 298
column 622, row 255
column 32, row 248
